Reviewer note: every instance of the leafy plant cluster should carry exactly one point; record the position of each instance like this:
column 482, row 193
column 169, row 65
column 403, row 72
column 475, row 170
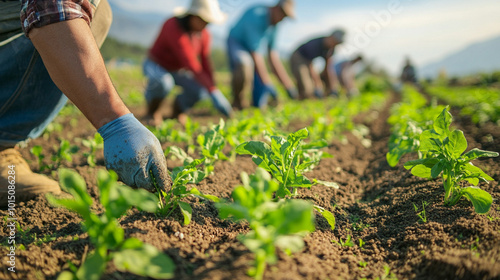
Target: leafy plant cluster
column 287, row 159
column 273, row 224
column 408, row 120
column 63, row 153
column 482, row 104
column 444, row 156
column 104, row 230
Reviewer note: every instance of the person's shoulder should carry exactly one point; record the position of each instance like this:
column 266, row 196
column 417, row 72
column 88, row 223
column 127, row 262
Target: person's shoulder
column 171, row 21
column 258, row 10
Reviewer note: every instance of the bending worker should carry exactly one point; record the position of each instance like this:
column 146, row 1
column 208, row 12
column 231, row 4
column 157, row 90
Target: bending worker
column 250, row 37
column 181, row 56
column 308, row 80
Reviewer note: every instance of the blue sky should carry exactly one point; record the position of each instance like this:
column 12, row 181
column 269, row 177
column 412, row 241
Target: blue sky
column 385, row 31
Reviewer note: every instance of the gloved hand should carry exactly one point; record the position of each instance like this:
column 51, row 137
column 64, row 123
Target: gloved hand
column 271, row 90
column 318, row 93
column 334, row 93
column 292, row 93
column 220, row 102
column 132, row 151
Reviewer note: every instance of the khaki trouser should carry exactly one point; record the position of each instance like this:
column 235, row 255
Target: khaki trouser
column 302, row 72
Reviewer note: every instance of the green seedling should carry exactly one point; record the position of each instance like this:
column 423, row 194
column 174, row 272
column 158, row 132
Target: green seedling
column 287, row 159
column 445, row 157
column 211, row 144
column 281, row 224
column 421, row 214
column 96, row 143
column 362, row 264
column 357, row 224
column 408, row 120
column 172, row 199
column 345, row 243
column 361, row 243
column 37, row 151
column 104, row 230
column 64, row 153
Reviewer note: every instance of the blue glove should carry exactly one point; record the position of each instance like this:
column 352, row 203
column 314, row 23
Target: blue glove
column 132, row 151
column 318, row 93
column 220, row 102
column 271, row 90
column 334, row 93
column 292, row 93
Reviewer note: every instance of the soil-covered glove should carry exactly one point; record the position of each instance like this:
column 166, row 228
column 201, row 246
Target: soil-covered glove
column 318, row 93
column 292, row 93
column 271, row 91
column 220, row 102
column 334, row 93
column 132, row 151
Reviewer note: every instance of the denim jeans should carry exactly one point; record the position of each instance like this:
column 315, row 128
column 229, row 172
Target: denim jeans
column 161, row 82
column 29, row 100
column 243, row 68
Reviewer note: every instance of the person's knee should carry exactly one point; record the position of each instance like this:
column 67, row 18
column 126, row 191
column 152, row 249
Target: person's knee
column 242, row 73
column 159, row 87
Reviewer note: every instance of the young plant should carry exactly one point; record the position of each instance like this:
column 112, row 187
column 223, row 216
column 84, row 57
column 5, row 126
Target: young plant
column 211, row 144
column 281, row 224
column 94, row 144
column 37, row 151
column 444, row 155
column 287, row 160
column 348, row 242
column 104, row 230
column 182, row 176
column 422, row 215
column 284, row 161
column 64, row 153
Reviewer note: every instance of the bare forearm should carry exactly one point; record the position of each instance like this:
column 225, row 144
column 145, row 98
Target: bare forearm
column 315, row 76
column 75, row 64
column 331, row 75
column 279, row 70
column 260, row 67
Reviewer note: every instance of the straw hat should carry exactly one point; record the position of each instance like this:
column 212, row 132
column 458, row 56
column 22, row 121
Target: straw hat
column 288, row 7
column 208, row 10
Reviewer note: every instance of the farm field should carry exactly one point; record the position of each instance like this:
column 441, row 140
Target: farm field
column 389, row 224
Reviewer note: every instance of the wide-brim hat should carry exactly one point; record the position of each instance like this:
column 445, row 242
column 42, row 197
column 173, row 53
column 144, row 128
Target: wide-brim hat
column 288, row 7
column 208, row 10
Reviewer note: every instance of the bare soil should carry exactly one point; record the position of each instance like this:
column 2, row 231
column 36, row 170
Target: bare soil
column 375, row 204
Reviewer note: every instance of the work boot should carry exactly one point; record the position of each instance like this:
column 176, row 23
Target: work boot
column 27, row 184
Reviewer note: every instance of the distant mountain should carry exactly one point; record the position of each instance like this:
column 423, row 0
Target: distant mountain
column 478, row 57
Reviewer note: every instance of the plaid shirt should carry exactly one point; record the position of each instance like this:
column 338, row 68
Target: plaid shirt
column 43, row 12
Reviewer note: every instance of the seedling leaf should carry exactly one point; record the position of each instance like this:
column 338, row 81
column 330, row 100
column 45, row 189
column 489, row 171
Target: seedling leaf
column 187, row 212
column 146, row 261
column 479, row 198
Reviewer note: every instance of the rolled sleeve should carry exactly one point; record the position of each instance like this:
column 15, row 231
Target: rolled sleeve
column 38, row 13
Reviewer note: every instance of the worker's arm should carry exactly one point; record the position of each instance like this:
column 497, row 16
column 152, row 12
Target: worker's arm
column 73, row 60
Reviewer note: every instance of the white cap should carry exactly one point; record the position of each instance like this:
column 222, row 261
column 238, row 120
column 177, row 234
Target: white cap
column 208, row 10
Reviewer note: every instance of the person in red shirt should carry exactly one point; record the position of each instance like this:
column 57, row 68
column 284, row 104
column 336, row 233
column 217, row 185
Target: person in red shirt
column 181, row 56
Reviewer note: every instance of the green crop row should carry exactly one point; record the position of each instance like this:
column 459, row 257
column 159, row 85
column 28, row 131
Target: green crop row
column 480, row 103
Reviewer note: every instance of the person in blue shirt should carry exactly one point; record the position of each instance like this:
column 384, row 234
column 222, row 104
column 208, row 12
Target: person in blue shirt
column 248, row 40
